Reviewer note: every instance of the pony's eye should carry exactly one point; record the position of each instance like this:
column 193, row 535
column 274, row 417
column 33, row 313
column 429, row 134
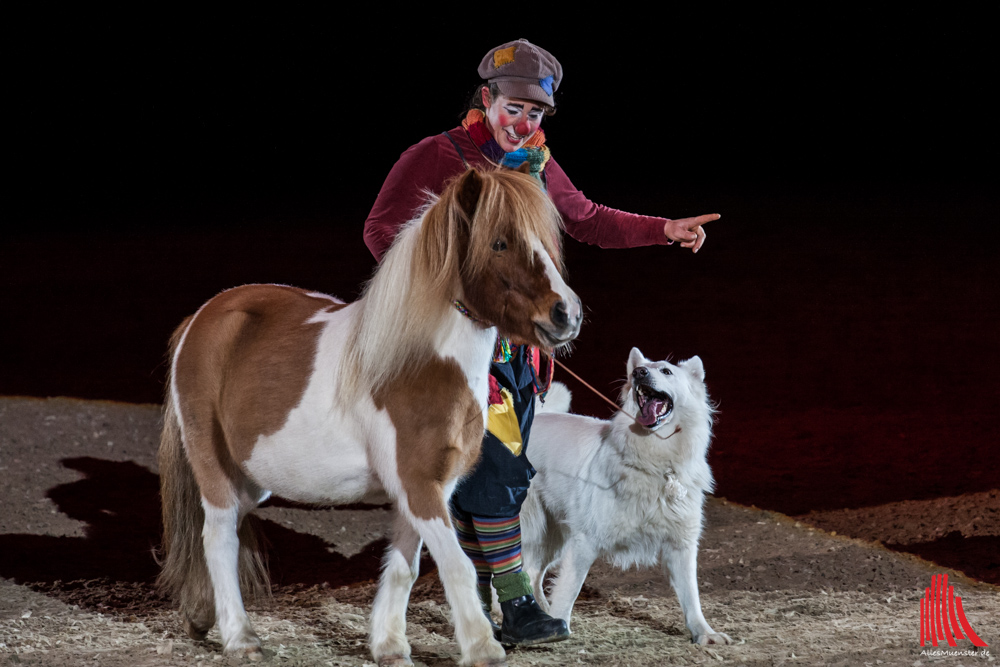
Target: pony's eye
column 499, row 245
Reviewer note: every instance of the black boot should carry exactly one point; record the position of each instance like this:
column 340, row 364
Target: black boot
column 525, row 623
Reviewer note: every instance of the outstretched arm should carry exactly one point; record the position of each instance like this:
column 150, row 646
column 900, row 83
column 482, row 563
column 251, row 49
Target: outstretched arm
column 610, row 228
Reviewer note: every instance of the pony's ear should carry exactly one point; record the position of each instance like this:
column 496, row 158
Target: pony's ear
column 525, row 168
column 470, row 186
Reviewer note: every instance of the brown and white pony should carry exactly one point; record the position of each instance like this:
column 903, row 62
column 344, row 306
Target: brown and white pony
column 279, row 390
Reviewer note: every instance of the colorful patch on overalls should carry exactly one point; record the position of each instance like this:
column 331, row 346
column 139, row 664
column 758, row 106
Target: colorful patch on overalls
column 503, row 56
column 502, row 422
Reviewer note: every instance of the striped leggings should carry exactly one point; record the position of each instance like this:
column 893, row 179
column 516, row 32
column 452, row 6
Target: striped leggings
column 492, row 544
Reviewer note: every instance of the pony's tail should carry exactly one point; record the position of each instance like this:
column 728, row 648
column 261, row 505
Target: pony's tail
column 184, row 572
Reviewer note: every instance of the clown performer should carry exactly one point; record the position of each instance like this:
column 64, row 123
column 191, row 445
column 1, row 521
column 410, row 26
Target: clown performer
column 502, row 128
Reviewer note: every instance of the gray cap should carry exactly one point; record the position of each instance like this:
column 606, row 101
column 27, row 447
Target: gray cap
column 522, row 70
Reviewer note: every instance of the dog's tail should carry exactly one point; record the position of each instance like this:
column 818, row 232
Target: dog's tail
column 557, row 399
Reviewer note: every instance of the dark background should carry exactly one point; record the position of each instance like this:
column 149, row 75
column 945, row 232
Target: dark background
column 187, row 117
column 846, row 305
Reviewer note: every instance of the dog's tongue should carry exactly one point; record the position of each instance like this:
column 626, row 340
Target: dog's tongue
column 649, row 411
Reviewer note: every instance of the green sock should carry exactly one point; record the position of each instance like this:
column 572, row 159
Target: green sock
column 512, row 585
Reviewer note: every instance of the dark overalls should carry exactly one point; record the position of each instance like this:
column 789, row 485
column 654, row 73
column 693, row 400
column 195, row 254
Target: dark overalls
column 498, row 484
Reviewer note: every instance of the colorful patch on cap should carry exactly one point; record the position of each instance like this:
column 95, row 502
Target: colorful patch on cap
column 546, row 85
column 503, row 57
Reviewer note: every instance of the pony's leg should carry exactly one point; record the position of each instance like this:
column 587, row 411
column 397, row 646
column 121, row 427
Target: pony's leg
column 387, row 636
column 577, row 558
column 682, row 566
column 222, row 553
column 472, row 629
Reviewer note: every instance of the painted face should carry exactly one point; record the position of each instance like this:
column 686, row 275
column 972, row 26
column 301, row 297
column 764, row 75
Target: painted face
column 512, row 121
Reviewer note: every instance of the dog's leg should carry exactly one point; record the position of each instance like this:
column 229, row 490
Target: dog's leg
column 681, row 567
column 541, row 541
column 538, row 586
column 577, row 558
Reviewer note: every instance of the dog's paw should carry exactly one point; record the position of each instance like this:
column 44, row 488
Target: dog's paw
column 708, row 638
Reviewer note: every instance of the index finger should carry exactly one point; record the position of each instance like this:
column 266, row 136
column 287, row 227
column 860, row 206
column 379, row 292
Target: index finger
column 699, row 220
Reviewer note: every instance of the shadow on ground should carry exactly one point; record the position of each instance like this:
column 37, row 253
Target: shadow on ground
column 119, row 502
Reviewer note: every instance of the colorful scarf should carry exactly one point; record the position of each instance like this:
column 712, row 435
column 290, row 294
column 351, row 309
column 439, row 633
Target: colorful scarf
column 534, row 151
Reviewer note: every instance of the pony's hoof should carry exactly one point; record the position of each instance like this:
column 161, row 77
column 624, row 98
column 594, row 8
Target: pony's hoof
column 252, row 653
column 247, row 646
column 712, row 638
column 397, row 660
column 489, row 653
column 196, row 631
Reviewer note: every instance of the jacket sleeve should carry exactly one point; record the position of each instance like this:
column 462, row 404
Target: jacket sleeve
column 596, row 224
column 420, row 170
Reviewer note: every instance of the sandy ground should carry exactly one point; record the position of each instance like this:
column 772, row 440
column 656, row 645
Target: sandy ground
column 81, row 518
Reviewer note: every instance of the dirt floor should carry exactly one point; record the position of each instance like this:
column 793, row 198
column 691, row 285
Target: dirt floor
column 81, row 520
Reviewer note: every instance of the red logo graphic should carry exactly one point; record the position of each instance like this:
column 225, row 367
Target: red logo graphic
column 938, row 611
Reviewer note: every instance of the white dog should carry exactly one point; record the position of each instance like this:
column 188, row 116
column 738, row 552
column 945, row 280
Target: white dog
column 629, row 490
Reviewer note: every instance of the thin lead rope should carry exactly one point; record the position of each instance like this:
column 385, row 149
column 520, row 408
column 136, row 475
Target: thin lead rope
column 458, row 149
column 585, row 384
column 609, row 401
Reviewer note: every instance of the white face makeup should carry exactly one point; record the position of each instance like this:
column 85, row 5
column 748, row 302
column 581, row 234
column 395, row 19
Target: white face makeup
column 512, row 121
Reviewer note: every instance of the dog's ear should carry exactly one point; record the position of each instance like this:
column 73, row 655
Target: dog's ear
column 694, row 366
column 635, row 358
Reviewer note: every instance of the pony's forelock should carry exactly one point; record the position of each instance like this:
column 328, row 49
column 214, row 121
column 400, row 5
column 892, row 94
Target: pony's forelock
column 515, row 199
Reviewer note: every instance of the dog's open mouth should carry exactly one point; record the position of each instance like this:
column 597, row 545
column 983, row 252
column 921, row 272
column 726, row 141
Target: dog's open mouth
column 654, row 406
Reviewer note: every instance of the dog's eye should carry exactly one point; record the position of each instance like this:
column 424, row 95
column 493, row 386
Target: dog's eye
column 499, row 245
column 666, row 371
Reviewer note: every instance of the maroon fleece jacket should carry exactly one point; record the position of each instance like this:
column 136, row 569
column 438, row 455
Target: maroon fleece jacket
column 427, row 165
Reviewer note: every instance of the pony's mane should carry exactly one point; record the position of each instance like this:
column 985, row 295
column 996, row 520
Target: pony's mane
column 405, row 307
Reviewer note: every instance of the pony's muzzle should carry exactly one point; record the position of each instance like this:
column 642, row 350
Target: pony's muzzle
column 565, row 318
